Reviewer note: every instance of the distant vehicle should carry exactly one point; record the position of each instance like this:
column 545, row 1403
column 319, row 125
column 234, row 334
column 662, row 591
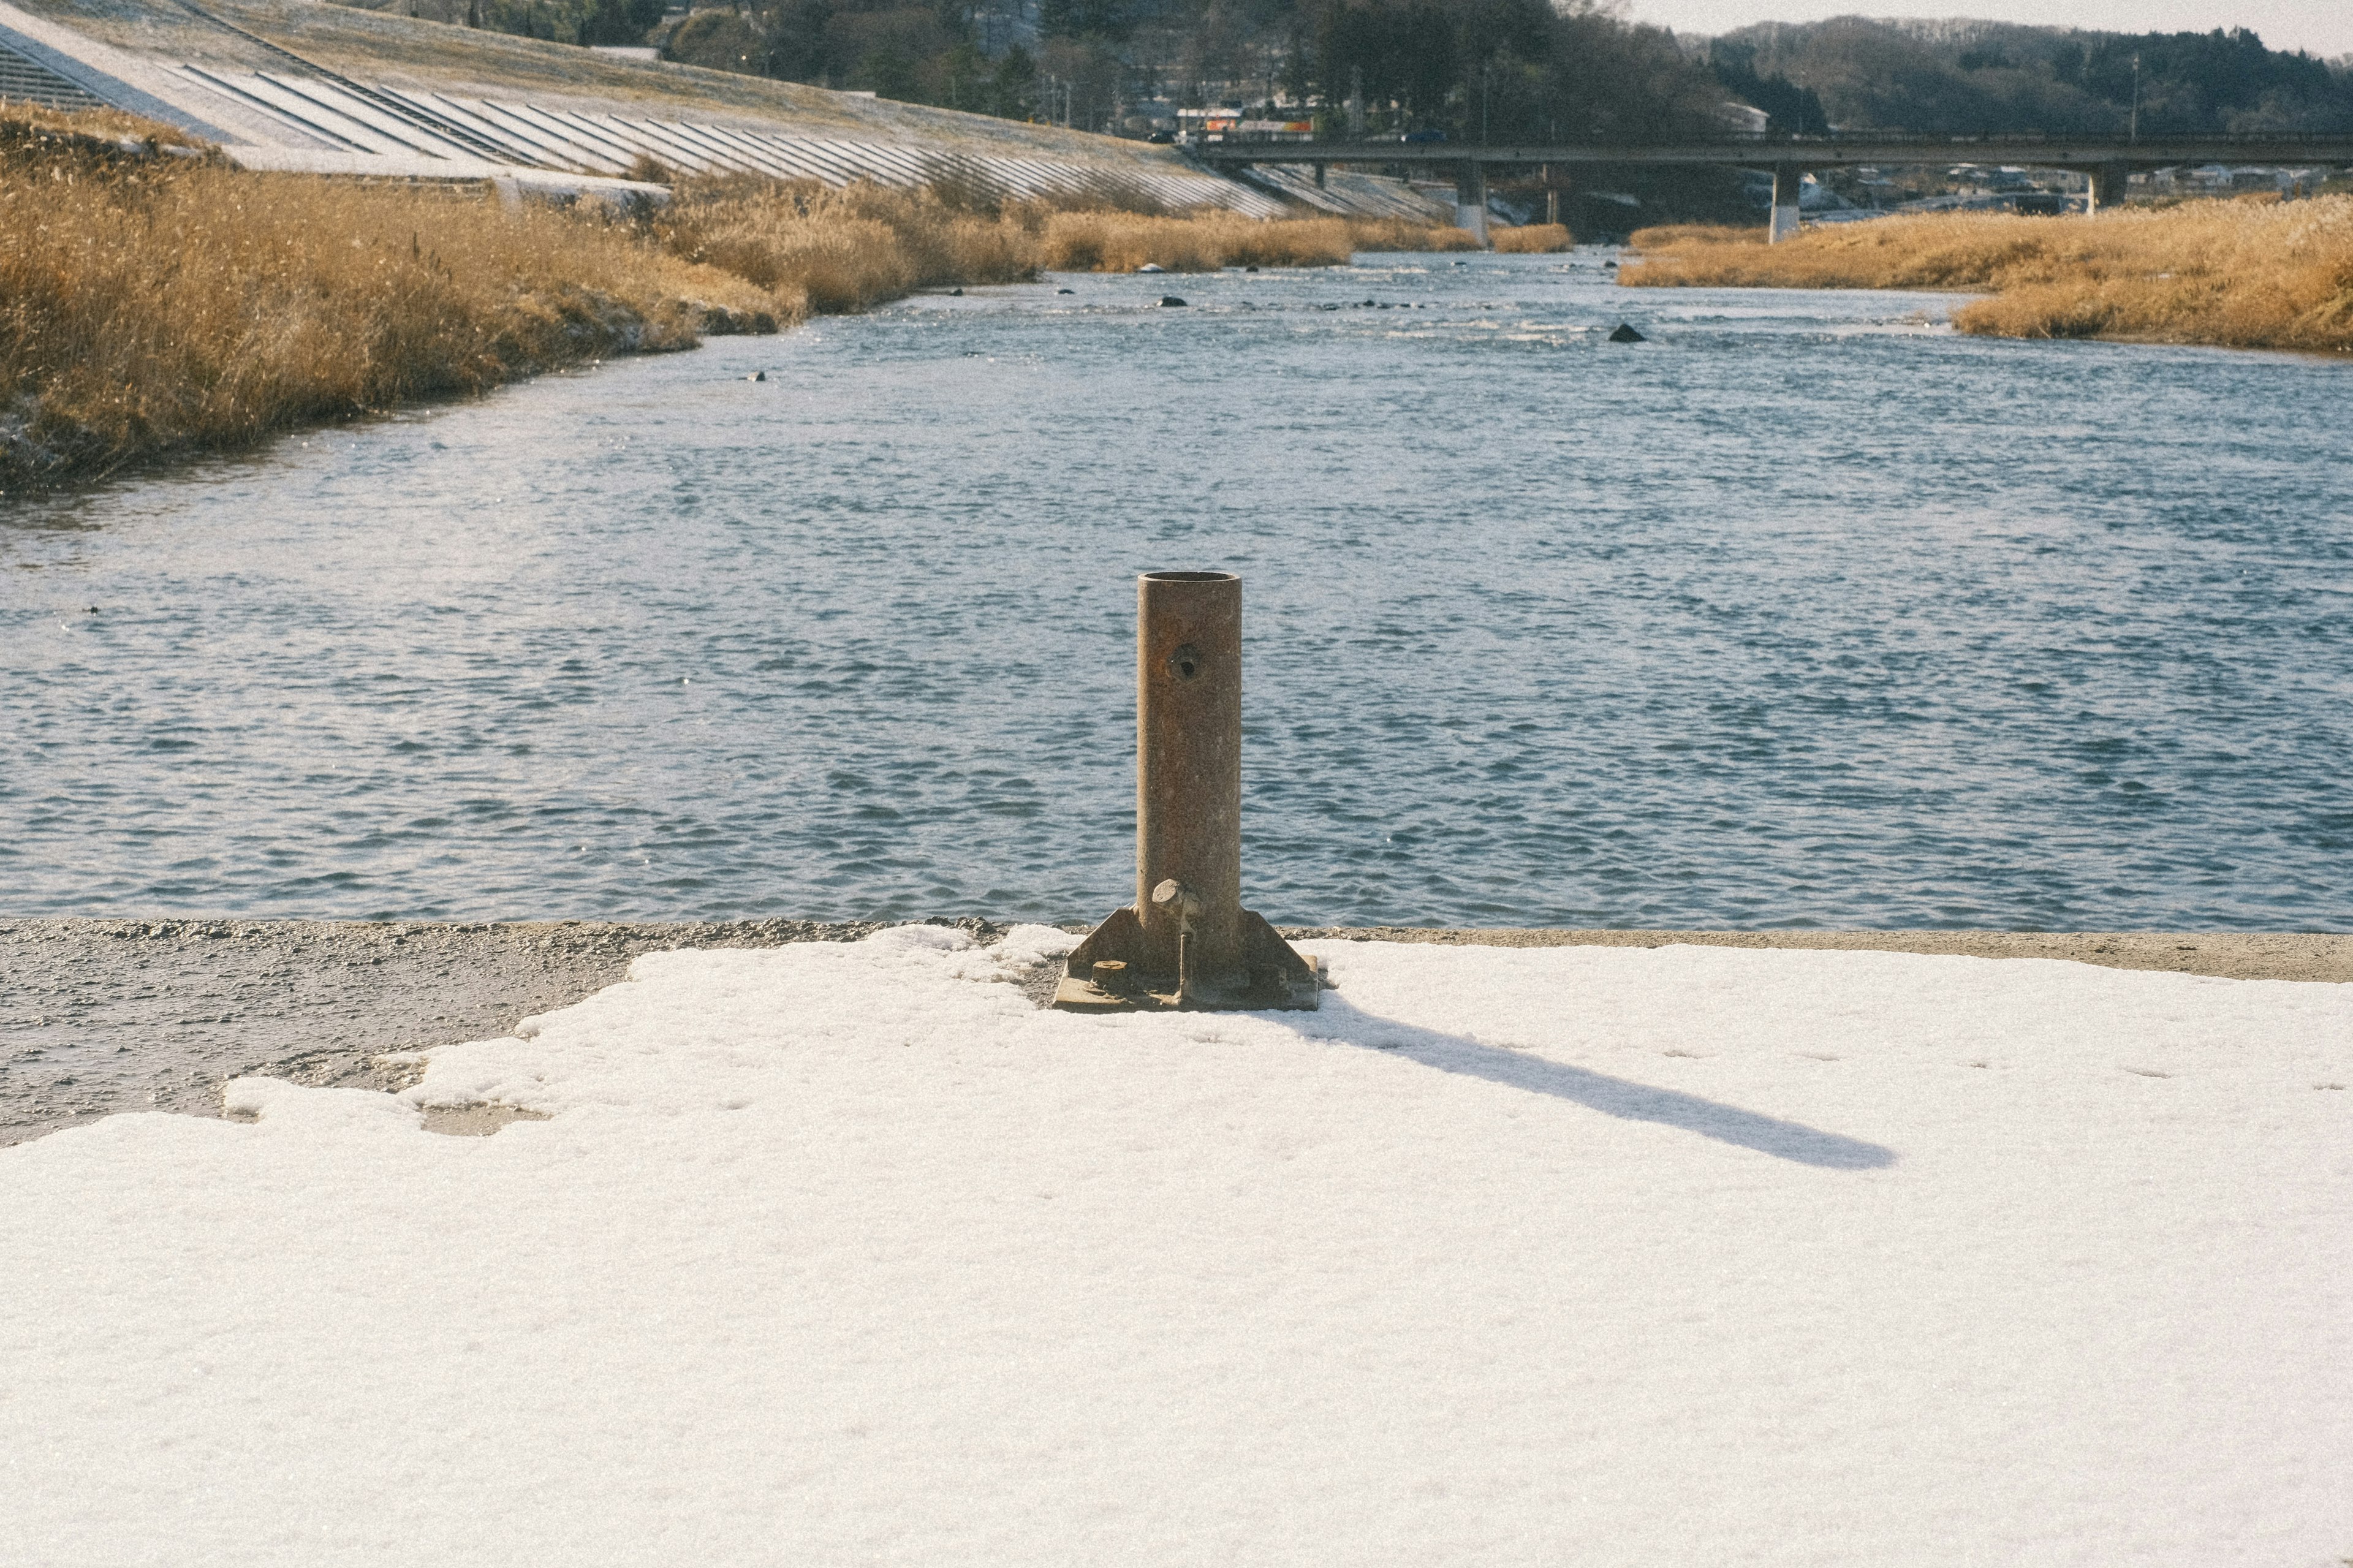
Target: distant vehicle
column 1210, row 123
column 1424, row 136
column 1161, row 137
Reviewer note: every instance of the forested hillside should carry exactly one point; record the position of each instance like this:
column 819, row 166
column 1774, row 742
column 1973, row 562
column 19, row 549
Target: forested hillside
column 1521, row 71
column 1977, row 78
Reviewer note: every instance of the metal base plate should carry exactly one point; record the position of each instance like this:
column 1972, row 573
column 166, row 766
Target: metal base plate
column 1294, row 995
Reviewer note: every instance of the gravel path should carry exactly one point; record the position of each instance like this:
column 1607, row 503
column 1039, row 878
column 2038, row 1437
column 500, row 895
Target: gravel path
column 99, row 1016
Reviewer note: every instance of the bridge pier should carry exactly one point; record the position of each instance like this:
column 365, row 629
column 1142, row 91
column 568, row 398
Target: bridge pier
column 2108, row 184
column 1786, row 180
column 1470, row 199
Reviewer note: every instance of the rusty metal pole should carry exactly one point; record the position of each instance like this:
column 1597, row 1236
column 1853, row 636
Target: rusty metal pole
column 1186, row 941
column 1188, row 769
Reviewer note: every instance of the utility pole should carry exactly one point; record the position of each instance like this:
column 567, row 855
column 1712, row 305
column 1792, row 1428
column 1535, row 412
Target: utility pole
column 2133, row 134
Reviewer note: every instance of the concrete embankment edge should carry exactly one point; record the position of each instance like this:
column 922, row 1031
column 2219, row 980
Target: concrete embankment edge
column 2228, row 955
column 104, row 1016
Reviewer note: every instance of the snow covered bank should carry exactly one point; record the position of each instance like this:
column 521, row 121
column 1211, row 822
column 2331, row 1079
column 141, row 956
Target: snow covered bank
column 846, row 1254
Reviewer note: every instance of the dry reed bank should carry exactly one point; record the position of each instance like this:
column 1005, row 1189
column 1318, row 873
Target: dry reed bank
column 1122, row 242
column 815, row 250
column 825, row 250
column 2252, row 273
column 150, row 304
column 1399, row 234
column 153, row 300
column 1532, row 239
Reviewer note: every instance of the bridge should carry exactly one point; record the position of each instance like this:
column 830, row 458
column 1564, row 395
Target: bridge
column 2107, row 159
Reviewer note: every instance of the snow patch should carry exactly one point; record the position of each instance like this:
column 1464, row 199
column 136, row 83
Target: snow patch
column 849, row 1253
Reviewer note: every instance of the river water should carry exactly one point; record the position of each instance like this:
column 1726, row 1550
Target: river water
column 1805, row 612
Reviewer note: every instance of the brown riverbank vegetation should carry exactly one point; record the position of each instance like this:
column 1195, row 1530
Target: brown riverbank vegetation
column 2249, row 273
column 1531, row 239
column 816, row 250
column 1122, row 242
column 1401, row 234
column 150, row 303
column 153, row 299
column 849, row 249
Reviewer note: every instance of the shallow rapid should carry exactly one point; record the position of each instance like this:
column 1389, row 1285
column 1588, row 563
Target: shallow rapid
column 1804, row 612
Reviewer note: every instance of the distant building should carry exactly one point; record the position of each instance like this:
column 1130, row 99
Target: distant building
column 1742, row 119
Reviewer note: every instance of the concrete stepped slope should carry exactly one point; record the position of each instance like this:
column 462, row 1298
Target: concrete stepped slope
column 1348, row 193
column 27, row 76
column 299, row 85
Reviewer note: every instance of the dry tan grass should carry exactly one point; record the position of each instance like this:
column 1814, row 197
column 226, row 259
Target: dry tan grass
column 820, row 250
column 152, row 302
column 1206, row 241
column 1680, row 235
column 147, row 305
column 1397, row 234
column 22, row 122
column 1203, row 242
column 1531, row 239
column 2252, row 273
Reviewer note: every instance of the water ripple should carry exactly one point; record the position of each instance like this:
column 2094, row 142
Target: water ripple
column 1808, row 612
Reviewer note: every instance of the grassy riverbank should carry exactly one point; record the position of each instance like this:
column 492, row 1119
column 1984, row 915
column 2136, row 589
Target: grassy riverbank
column 2237, row 274
column 156, row 301
column 1534, row 239
column 151, row 304
column 826, row 251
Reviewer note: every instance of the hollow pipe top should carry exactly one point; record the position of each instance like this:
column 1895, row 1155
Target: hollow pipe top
column 1191, row 577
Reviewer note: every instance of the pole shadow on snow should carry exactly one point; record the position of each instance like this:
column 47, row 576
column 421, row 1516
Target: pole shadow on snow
column 1616, row 1097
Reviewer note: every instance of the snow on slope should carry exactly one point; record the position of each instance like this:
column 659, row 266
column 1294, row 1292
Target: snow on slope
column 844, row 1253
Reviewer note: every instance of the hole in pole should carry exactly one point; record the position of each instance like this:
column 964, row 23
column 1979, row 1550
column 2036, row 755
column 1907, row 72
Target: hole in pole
column 1186, row 662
